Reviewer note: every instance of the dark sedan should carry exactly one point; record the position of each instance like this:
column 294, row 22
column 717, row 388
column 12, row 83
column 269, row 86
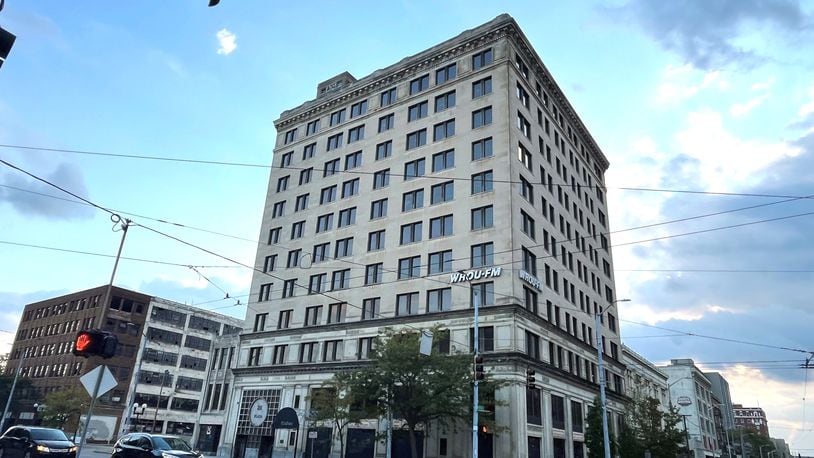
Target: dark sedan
column 141, row 445
column 31, row 441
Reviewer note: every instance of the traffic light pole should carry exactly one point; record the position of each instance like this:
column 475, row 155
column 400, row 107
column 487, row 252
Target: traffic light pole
column 105, row 304
column 11, row 393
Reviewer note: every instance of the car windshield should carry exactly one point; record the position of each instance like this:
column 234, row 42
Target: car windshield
column 170, row 443
column 48, row 435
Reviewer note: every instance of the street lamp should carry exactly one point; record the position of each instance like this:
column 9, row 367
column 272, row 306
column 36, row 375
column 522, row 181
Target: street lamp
column 137, row 411
column 475, row 295
column 602, row 381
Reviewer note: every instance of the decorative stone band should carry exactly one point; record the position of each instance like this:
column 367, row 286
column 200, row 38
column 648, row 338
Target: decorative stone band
column 480, row 274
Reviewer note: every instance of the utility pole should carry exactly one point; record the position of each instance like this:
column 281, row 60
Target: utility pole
column 158, row 403
column 105, row 304
column 686, row 433
column 605, row 435
column 11, row 393
column 475, row 305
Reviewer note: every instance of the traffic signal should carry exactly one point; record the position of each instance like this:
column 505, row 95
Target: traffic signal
column 95, row 343
column 478, row 367
column 530, row 377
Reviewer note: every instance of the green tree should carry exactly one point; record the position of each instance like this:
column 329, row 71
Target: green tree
column 594, row 438
column 647, row 427
column 755, row 440
column 418, row 389
column 25, row 395
column 64, row 406
column 339, row 405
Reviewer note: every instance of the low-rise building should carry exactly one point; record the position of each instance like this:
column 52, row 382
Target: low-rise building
column 644, row 379
column 691, row 391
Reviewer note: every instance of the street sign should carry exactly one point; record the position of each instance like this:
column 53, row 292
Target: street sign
column 312, row 434
column 107, row 383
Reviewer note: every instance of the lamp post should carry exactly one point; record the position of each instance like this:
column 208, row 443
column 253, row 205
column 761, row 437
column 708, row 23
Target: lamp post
column 137, row 411
column 475, row 295
column 158, row 402
column 602, row 381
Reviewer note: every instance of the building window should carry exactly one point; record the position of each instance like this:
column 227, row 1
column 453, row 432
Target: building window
column 381, row 179
column 353, row 160
column 443, row 130
column 407, row 304
column 419, row 84
column 412, row 200
column 350, row 188
column 370, row 308
column 481, row 117
column 279, row 354
column 346, row 217
column 384, row 150
column 284, row 319
column 288, row 288
column 524, row 69
column 557, row 412
column 439, row 300
column 325, row 223
column 260, row 322
column 305, row 176
column 527, row 190
column 254, row 356
column 530, row 298
column 312, row 315
column 332, row 350
column 343, row 248
column 482, row 59
column 317, row 283
column 533, row 345
column 443, row 192
column 290, row 136
column 386, row 122
column 486, row 338
column 522, row 95
column 274, row 235
column 378, row 209
column 293, row 258
column 417, row 111
column 444, row 101
column 524, row 156
column 336, row 312
column 282, row 183
column 577, row 419
column 482, row 87
column 527, row 224
column 482, row 218
column 312, row 127
column 334, row 142
column 534, row 408
column 265, row 292
column 441, row 226
column 443, row 160
column 373, row 274
column 358, row 109
column 482, row 255
column 482, row 149
column 529, row 261
column 485, row 293
column 355, row 134
column 268, row 265
column 308, row 352
column 375, row 240
column 414, row 169
column 442, row 75
column 321, row 252
column 327, row 195
column 365, row 348
column 416, row 139
column 440, row 262
column 278, row 209
column 523, row 125
column 482, row 182
column 410, row 267
column 410, row 233
column 337, row 117
column 301, row 203
column 308, row 151
column 387, row 97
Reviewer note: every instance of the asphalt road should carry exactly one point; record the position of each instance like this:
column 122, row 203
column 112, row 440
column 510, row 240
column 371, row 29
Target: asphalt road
column 96, row 451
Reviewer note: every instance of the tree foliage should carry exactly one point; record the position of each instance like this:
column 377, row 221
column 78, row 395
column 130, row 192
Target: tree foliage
column 647, row 427
column 417, row 389
column 64, row 407
column 594, row 438
column 339, row 405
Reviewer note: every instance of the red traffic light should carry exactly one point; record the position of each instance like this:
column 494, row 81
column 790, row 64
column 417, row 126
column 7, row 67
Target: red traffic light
column 95, row 343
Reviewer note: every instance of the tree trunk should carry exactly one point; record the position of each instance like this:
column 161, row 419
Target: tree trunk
column 413, row 449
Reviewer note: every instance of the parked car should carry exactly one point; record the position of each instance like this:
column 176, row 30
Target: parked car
column 33, row 441
column 142, row 445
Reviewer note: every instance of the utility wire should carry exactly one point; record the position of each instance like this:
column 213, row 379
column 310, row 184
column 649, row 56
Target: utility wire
column 358, row 172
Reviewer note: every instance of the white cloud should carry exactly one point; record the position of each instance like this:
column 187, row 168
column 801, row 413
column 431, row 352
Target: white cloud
column 807, row 108
column 742, row 109
column 652, row 315
column 227, row 41
column 682, row 83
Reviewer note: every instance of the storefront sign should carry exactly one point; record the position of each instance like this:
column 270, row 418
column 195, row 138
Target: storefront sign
column 479, row 274
column 531, row 280
column 259, row 412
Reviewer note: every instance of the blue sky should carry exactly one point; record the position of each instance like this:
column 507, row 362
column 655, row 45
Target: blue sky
column 706, row 96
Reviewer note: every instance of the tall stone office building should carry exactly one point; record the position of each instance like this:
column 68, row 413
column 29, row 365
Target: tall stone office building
column 466, row 157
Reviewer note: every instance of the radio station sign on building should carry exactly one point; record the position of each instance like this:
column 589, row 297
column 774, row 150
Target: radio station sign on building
column 478, row 274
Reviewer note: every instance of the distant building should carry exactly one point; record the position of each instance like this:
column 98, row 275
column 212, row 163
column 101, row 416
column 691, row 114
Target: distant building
column 781, row 449
column 154, row 335
column 720, row 388
column 643, row 378
column 691, row 391
column 751, row 418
